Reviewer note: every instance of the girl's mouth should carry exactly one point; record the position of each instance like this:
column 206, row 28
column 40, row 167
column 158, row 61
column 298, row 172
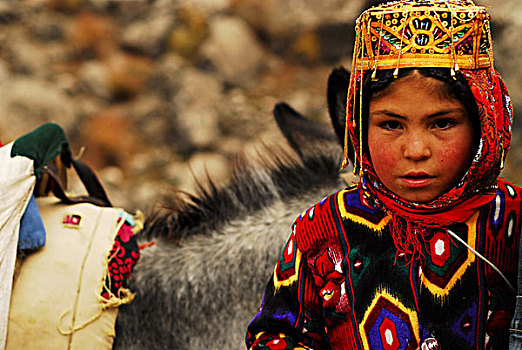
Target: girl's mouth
column 417, row 179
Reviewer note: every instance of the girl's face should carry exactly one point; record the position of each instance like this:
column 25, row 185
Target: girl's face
column 421, row 140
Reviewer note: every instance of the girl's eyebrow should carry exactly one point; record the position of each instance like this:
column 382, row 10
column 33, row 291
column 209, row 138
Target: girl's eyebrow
column 447, row 111
column 388, row 114
column 434, row 115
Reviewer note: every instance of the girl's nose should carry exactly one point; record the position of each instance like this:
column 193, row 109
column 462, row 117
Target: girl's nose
column 416, row 147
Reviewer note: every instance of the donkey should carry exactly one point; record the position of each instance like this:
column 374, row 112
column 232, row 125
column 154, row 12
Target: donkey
column 202, row 282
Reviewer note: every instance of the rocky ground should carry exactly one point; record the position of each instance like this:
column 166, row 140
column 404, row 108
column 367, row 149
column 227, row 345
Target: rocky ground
column 162, row 92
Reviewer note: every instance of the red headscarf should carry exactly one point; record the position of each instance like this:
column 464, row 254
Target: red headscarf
column 477, row 187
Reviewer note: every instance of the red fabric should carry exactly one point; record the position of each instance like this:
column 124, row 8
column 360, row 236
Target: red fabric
column 498, row 322
column 146, row 245
column 408, row 234
column 122, row 259
column 459, row 213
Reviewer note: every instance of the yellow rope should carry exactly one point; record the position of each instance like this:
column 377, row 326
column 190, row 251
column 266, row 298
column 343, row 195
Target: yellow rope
column 105, row 304
column 71, row 330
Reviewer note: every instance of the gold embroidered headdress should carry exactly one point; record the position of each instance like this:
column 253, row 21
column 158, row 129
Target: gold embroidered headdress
column 452, row 34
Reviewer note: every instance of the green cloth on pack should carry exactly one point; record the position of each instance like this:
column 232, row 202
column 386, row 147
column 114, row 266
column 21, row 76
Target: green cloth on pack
column 42, row 145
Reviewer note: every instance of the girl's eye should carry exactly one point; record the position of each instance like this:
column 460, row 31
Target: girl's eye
column 444, row 123
column 390, row 125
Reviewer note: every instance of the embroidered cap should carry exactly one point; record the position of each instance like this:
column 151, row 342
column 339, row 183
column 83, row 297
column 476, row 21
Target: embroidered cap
column 404, row 34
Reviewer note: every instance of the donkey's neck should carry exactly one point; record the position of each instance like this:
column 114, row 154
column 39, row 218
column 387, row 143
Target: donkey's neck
column 250, row 190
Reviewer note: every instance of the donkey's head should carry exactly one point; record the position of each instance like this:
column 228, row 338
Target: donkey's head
column 280, row 178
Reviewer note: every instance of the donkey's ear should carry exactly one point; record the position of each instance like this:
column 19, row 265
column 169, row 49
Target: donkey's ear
column 338, row 83
column 303, row 135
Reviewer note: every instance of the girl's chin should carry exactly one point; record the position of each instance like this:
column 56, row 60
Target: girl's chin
column 418, row 195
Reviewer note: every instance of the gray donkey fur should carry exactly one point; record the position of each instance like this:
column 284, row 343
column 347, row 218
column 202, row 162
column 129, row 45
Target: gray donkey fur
column 202, row 282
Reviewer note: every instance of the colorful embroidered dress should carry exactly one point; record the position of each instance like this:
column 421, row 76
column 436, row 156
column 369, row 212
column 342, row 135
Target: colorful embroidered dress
column 366, row 269
column 339, row 283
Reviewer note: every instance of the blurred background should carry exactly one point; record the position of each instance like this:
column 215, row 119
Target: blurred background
column 161, row 93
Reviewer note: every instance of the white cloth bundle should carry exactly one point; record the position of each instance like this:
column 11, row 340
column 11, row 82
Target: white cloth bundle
column 16, row 186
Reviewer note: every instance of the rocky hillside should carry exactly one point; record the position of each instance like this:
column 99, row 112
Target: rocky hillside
column 162, row 92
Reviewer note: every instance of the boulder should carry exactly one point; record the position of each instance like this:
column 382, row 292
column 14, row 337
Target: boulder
column 27, row 103
column 196, row 105
column 234, row 50
column 149, row 35
column 93, row 77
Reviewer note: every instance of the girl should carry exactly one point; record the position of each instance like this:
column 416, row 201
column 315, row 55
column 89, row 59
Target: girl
column 422, row 252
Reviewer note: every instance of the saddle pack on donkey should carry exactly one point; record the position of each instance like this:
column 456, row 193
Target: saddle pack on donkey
column 64, row 260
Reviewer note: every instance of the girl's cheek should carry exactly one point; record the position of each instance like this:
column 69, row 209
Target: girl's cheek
column 384, row 155
column 385, row 164
column 448, row 156
column 455, row 153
